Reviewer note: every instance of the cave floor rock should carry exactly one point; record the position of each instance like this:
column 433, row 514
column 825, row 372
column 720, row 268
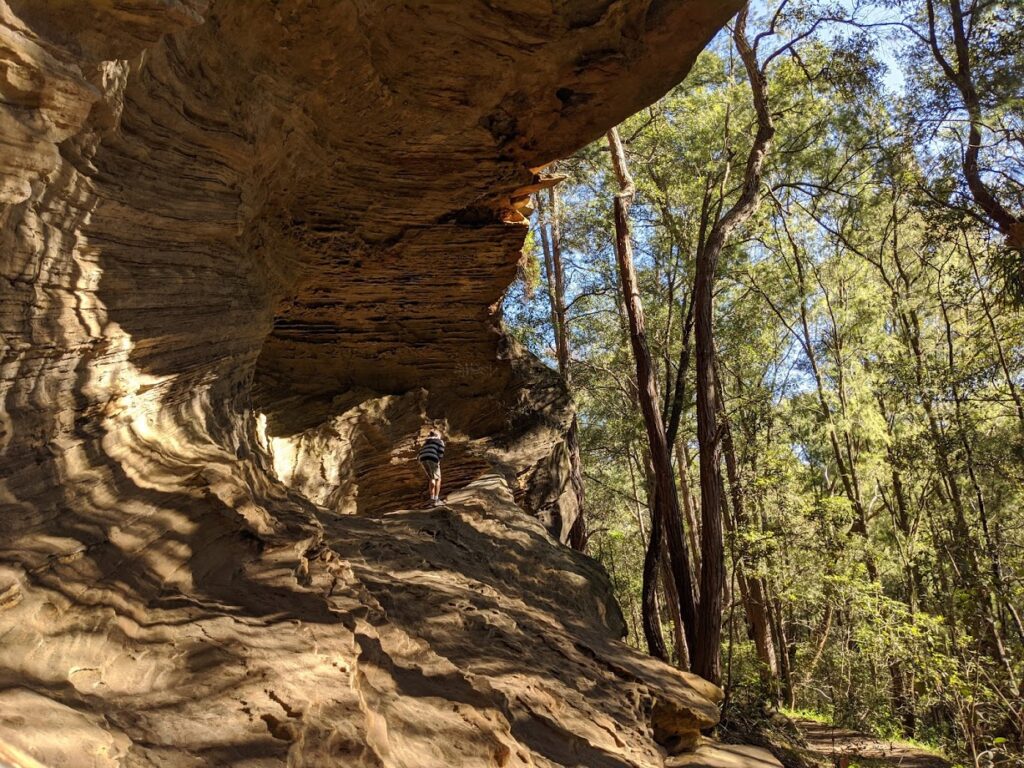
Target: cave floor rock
column 461, row 635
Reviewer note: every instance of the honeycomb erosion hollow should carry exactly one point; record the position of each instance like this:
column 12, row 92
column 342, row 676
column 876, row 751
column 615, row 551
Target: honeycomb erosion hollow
column 248, row 250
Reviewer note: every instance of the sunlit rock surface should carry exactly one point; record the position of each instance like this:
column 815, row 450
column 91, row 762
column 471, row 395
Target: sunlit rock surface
column 249, row 252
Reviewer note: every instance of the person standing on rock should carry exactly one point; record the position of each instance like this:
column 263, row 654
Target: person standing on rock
column 430, row 457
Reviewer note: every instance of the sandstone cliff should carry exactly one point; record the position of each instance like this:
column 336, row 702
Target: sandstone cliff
column 248, row 250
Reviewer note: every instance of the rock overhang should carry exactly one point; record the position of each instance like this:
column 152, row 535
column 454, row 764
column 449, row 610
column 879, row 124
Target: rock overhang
column 298, row 207
column 358, row 160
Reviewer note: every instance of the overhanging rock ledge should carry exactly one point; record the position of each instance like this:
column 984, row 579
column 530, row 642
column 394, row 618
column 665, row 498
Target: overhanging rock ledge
column 247, row 250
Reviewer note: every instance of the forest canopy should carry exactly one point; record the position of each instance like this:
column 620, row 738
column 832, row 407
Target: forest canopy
column 788, row 296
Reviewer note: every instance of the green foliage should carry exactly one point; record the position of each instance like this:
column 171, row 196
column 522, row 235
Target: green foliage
column 870, row 367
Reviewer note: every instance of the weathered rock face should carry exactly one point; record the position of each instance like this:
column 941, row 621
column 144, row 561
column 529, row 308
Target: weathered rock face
column 248, row 251
column 449, row 637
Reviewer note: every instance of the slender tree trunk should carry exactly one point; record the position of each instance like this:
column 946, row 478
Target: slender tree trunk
column 651, row 619
column 997, row 595
column 657, row 562
column 962, row 77
column 752, row 588
column 556, row 278
column 689, row 507
column 650, row 615
column 675, row 411
column 672, row 603
column 819, row 649
column 707, row 657
column 666, row 499
column 843, row 459
column 633, row 460
column 562, row 336
column 660, row 545
column 782, row 647
column 679, row 391
column 549, row 267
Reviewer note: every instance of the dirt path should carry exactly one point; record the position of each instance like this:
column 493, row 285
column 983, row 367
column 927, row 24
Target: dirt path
column 838, row 743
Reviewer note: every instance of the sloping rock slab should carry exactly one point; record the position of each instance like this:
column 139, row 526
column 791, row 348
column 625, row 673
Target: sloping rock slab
column 462, row 635
column 725, row 756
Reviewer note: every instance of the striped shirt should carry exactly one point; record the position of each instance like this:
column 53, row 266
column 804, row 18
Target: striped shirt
column 432, row 450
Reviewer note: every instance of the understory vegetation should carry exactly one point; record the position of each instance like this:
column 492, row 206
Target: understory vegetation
column 837, row 190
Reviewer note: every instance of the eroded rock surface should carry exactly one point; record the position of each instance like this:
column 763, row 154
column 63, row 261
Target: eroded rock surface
column 459, row 635
column 249, row 250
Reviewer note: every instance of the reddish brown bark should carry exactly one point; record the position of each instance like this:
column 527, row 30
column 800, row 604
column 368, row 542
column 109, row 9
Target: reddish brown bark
column 666, row 500
column 707, row 656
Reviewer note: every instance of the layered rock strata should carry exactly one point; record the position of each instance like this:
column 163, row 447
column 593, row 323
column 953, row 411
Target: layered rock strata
column 458, row 636
column 249, row 250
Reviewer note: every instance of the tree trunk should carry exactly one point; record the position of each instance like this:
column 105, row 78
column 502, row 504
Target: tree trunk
column 961, row 76
column 753, row 590
column 651, row 620
column 562, row 335
column 782, row 648
column 549, row 266
column 689, row 508
column 682, row 656
column 666, row 499
column 650, row 617
column 997, row 595
column 707, row 657
column 556, row 296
